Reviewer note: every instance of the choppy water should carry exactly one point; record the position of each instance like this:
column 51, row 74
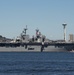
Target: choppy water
column 32, row 63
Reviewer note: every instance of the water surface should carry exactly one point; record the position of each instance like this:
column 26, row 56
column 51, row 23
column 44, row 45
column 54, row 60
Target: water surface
column 36, row 63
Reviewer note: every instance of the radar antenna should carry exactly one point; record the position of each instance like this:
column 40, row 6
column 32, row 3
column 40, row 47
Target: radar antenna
column 25, row 29
column 37, row 30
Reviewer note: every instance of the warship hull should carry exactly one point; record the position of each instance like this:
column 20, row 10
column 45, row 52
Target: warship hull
column 32, row 49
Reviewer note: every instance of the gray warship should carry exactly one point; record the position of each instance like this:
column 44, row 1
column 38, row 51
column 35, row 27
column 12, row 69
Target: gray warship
column 38, row 43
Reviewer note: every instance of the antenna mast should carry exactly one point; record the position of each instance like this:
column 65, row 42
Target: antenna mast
column 25, row 29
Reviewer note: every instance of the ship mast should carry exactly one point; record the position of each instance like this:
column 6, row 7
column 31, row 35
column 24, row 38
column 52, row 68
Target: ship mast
column 37, row 32
column 25, row 29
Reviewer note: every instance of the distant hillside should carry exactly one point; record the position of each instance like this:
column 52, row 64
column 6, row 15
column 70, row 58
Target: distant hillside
column 4, row 39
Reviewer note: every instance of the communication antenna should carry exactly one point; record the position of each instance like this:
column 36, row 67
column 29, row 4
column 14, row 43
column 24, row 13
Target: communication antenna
column 25, row 29
column 37, row 30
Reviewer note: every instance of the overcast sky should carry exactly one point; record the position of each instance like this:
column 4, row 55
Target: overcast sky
column 47, row 15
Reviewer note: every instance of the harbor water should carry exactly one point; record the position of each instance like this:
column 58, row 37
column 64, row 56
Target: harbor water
column 36, row 63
